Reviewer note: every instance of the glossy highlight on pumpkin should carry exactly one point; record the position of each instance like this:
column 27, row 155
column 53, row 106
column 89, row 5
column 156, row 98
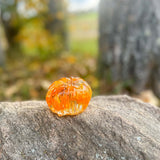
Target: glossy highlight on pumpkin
column 68, row 96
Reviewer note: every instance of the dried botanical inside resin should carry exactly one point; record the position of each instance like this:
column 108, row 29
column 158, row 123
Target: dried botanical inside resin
column 68, row 96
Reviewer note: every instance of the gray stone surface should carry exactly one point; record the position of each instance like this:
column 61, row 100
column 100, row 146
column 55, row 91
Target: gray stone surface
column 111, row 128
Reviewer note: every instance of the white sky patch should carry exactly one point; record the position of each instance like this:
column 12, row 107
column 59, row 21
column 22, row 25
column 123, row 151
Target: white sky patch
column 82, row 5
column 26, row 13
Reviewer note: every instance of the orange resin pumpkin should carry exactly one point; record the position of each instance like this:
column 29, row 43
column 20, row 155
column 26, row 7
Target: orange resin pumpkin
column 68, row 96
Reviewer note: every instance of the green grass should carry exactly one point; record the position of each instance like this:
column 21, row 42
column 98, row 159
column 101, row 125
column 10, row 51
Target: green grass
column 86, row 16
column 86, row 46
column 83, row 34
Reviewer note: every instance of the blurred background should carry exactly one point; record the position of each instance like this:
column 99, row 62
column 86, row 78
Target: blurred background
column 113, row 45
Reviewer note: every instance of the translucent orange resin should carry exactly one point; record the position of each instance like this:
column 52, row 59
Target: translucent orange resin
column 68, row 96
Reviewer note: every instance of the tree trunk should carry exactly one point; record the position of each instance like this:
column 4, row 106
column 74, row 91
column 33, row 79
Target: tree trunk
column 129, row 43
column 8, row 12
column 2, row 55
column 57, row 20
column 111, row 128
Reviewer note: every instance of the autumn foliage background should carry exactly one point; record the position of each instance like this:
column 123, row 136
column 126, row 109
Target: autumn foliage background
column 41, row 42
column 38, row 54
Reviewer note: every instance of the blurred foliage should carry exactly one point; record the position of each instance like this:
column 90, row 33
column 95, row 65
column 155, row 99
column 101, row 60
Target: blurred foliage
column 29, row 79
column 37, row 42
column 33, row 37
column 28, row 76
column 25, row 23
column 39, row 6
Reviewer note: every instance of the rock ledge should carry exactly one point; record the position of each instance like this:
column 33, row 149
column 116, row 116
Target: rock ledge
column 111, row 128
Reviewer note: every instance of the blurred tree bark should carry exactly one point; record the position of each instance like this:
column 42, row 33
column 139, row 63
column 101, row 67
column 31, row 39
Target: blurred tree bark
column 129, row 43
column 56, row 22
column 8, row 13
column 2, row 55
